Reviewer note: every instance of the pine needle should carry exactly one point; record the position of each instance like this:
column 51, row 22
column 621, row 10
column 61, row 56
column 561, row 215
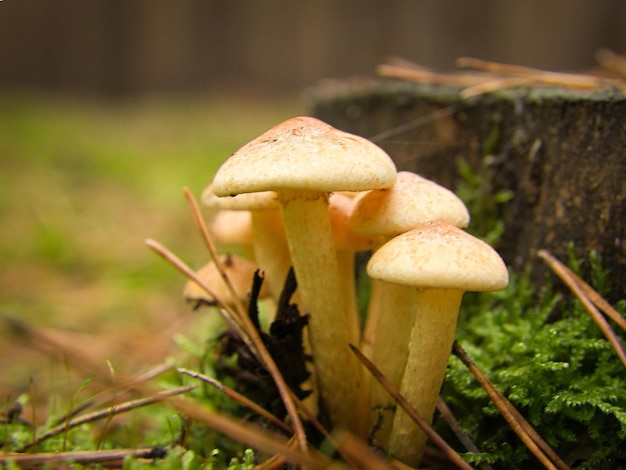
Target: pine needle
column 574, row 283
column 250, row 331
column 421, row 422
column 105, row 413
column 535, row 443
column 110, row 457
column 243, row 400
column 454, row 425
column 247, row 434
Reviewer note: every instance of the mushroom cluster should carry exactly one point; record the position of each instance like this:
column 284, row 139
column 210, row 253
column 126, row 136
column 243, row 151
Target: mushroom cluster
column 315, row 196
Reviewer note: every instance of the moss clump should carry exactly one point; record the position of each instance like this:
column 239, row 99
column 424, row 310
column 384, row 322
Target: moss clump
column 543, row 351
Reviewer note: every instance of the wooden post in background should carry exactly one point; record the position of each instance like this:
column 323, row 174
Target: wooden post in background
column 561, row 153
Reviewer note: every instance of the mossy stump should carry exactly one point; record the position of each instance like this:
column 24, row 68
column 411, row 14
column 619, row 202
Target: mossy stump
column 562, row 154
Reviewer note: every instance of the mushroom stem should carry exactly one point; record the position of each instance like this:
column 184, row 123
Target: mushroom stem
column 374, row 307
column 270, row 249
column 371, row 318
column 390, row 351
column 307, row 225
column 430, row 346
column 345, row 261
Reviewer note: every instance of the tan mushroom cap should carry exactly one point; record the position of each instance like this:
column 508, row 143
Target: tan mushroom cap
column 440, row 256
column 265, row 200
column 413, row 200
column 240, row 272
column 305, row 153
column 231, row 227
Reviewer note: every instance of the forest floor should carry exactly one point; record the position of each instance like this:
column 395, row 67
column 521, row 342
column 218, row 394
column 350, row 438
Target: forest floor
column 83, row 184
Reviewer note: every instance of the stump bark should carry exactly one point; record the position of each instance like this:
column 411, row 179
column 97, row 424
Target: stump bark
column 560, row 152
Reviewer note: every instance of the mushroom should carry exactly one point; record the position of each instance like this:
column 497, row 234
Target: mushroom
column 240, row 273
column 385, row 213
column 441, row 262
column 304, row 159
column 232, row 229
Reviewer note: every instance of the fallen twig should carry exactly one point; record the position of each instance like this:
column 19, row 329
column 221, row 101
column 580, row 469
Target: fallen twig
column 535, row 443
column 421, row 422
column 574, row 80
column 494, row 84
column 115, row 456
column 250, row 330
column 107, row 412
column 449, row 418
column 242, row 432
column 107, row 396
column 358, row 453
column 245, row 401
column 574, row 283
column 611, row 61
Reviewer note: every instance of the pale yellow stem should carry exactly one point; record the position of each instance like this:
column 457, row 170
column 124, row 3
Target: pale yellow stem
column 270, row 249
column 331, row 328
column 345, row 261
column 398, row 304
column 430, row 346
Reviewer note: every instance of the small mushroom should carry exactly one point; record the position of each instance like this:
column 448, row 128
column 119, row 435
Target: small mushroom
column 385, row 213
column 411, row 201
column 232, row 229
column 269, row 244
column 441, row 262
column 240, row 273
column 303, row 160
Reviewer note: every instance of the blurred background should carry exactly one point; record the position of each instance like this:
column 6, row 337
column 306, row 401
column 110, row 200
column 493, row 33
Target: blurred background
column 125, row 47
column 108, row 108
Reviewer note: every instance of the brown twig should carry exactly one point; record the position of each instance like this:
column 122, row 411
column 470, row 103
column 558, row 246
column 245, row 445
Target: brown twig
column 231, row 315
column 573, row 282
column 588, row 291
column 247, row 332
column 242, row 432
column 115, row 456
column 208, row 241
column 101, row 414
column 358, row 453
column 602, row 304
column 423, row 75
column 542, row 76
column 251, row 332
column 454, row 425
column 276, row 461
column 245, row 401
column 611, row 61
column 421, row 422
column 495, row 84
column 107, row 396
column 535, row 443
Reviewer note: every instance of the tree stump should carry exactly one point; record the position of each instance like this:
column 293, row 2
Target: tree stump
column 560, row 152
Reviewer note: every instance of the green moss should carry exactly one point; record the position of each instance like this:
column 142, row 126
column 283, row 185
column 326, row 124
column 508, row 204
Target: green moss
column 543, row 351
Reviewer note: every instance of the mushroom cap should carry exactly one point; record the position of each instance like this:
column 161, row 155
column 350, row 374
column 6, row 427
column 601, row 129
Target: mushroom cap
column 304, row 153
column 440, row 256
column 412, row 201
column 230, row 227
column 240, row 272
column 260, row 201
